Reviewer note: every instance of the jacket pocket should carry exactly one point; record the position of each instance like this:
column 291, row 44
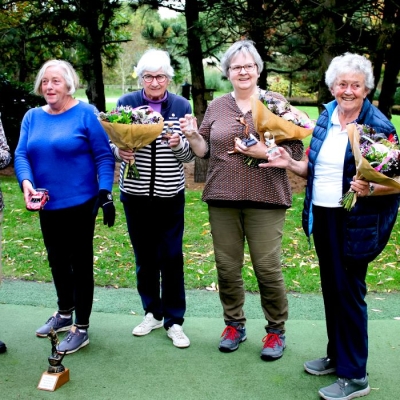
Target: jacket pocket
column 362, row 238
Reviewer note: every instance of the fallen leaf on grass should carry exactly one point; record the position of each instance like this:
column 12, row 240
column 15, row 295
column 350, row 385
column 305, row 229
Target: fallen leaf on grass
column 212, row 287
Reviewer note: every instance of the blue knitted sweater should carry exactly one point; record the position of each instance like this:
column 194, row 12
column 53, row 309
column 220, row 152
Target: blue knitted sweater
column 68, row 154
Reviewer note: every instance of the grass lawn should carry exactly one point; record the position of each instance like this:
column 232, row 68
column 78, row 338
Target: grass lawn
column 24, row 256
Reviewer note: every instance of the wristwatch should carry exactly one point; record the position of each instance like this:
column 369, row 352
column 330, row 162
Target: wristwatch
column 371, row 188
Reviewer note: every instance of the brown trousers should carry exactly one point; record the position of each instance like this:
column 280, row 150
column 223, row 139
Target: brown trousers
column 262, row 229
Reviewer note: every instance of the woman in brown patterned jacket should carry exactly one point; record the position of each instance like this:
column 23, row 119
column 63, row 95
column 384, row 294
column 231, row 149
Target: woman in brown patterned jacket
column 244, row 203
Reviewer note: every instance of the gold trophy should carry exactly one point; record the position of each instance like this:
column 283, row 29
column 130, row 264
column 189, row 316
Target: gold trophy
column 56, row 374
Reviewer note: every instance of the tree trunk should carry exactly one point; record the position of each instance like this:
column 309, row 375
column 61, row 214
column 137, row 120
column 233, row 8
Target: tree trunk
column 392, row 67
column 94, row 78
column 329, row 49
column 195, row 57
column 389, row 83
column 256, row 31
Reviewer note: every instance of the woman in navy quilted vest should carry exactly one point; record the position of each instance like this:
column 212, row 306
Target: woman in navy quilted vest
column 345, row 241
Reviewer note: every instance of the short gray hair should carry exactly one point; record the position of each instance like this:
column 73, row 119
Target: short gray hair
column 153, row 60
column 70, row 76
column 350, row 63
column 241, row 46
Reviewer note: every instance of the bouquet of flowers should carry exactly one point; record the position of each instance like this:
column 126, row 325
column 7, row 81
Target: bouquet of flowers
column 377, row 159
column 276, row 120
column 279, row 119
column 132, row 129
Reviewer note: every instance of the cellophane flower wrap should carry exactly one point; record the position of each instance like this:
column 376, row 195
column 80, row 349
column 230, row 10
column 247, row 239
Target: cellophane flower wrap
column 279, row 118
column 132, row 129
column 377, row 159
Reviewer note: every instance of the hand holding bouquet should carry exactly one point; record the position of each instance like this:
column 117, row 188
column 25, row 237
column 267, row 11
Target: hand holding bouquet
column 132, row 129
column 377, row 159
column 276, row 120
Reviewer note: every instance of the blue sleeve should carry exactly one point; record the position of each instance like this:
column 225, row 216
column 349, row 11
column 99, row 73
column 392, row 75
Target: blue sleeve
column 22, row 165
column 102, row 153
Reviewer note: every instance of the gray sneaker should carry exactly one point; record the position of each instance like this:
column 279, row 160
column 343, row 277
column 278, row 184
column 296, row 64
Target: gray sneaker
column 274, row 344
column 320, row 366
column 346, row 389
column 57, row 323
column 74, row 341
column 232, row 336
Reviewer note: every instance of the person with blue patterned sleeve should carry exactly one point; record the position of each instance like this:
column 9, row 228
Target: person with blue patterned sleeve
column 5, row 158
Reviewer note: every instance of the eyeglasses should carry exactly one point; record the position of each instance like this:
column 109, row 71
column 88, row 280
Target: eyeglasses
column 150, row 78
column 238, row 68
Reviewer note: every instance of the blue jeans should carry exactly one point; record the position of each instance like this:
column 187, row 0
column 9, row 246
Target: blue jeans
column 155, row 227
column 68, row 237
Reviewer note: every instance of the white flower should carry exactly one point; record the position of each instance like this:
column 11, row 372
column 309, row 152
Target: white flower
column 380, row 148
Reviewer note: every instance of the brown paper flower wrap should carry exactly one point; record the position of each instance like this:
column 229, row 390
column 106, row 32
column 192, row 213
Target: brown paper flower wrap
column 132, row 137
column 266, row 121
column 364, row 169
column 137, row 129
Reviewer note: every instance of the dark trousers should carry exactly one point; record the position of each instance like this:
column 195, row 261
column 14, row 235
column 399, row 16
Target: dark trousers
column 155, row 227
column 344, row 289
column 68, row 237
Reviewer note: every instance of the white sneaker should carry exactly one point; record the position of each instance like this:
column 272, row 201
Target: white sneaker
column 179, row 339
column 149, row 323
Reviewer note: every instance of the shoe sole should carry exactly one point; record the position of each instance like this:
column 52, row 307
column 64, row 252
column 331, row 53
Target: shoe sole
column 359, row 393
column 271, row 358
column 319, row 373
column 63, row 329
column 85, row 343
column 147, row 332
column 230, row 349
column 3, row 349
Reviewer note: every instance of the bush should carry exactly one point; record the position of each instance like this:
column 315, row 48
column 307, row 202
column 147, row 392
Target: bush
column 214, row 80
column 397, row 97
column 16, row 99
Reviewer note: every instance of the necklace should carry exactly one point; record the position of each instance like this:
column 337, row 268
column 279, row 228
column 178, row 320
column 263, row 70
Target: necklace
column 51, row 111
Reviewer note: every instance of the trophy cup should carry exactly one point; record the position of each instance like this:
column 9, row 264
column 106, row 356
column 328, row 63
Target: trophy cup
column 273, row 151
column 56, row 374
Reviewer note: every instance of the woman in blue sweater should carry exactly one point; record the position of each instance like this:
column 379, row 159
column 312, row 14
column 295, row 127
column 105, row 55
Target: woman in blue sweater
column 64, row 149
column 345, row 241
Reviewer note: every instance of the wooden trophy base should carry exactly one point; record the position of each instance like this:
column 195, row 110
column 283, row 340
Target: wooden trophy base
column 52, row 382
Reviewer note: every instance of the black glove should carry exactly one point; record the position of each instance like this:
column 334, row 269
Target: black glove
column 105, row 201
